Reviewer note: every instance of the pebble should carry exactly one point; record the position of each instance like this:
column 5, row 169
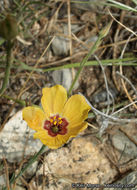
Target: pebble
column 122, row 143
column 60, row 46
column 64, row 77
column 101, row 96
column 2, row 180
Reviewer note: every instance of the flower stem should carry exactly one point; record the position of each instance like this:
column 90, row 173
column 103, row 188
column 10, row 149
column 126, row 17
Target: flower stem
column 31, row 161
column 21, row 102
column 8, row 65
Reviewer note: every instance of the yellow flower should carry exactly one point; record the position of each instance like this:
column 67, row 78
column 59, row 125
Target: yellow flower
column 60, row 118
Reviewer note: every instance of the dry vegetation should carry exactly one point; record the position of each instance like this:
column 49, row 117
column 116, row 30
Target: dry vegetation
column 109, row 81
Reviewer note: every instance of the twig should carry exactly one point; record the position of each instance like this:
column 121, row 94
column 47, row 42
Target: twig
column 115, row 52
column 121, row 72
column 106, row 83
column 6, row 173
column 128, row 81
column 110, row 116
column 113, row 118
column 104, row 123
column 124, row 108
column 122, row 24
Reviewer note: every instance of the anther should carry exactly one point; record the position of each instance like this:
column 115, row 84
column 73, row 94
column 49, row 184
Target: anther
column 55, row 122
column 60, row 122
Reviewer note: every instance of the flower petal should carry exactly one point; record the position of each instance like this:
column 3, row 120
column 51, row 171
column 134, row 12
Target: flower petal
column 76, row 110
column 51, row 142
column 75, row 130
column 53, row 99
column 34, row 117
column 59, row 140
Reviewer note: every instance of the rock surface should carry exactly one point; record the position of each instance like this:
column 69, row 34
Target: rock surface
column 16, row 140
column 122, row 143
column 82, row 162
column 128, row 182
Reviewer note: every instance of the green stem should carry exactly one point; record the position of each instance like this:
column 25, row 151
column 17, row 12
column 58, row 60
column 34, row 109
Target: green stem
column 31, row 161
column 125, row 62
column 8, row 65
column 21, row 102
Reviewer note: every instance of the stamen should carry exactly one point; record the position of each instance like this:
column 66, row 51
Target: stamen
column 56, row 125
column 55, row 122
column 60, row 122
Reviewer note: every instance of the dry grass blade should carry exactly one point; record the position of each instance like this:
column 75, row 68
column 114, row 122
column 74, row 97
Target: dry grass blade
column 122, row 24
column 7, row 174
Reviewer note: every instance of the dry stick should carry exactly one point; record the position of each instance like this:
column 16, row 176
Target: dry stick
column 115, row 52
column 69, row 28
column 116, row 112
column 121, row 72
column 106, row 84
column 54, row 18
column 122, row 24
column 24, row 182
column 104, row 124
column 7, row 174
column 19, row 168
column 117, row 43
column 128, row 81
column 70, row 37
column 110, row 116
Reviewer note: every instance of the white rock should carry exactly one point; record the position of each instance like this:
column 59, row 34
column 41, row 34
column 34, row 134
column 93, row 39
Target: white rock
column 122, row 143
column 16, row 140
column 64, row 77
column 60, row 45
column 2, row 180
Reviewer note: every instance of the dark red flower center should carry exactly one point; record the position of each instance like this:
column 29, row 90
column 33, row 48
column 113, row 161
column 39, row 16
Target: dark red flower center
column 56, row 125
